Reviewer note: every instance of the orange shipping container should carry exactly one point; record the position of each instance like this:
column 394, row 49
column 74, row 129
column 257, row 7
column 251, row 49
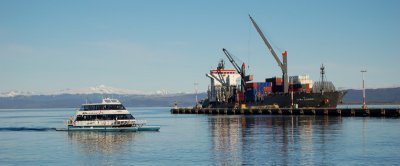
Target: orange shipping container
column 267, row 89
column 251, row 84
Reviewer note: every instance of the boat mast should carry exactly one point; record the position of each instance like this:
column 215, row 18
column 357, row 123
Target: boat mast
column 322, row 78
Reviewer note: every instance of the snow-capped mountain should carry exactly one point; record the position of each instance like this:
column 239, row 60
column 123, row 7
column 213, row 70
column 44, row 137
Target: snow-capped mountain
column 16, row 93
column 101, row 89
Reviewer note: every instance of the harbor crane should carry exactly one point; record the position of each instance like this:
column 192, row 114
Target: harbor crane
column 241, row 70
column 282, row 65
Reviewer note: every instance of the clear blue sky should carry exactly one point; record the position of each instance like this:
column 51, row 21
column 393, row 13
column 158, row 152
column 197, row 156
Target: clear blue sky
column 152, row 45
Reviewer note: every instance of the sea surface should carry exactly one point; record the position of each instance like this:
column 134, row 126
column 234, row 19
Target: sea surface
column 28, row 137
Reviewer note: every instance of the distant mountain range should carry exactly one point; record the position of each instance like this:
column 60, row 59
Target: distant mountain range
column 380, row 95
column 101, row 89
column 131, row 98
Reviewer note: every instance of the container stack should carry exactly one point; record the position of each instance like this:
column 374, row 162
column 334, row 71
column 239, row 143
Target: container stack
column 306, row 88
column 277, row 84
column 301, row 83
column 295, row 88
column 251, row 91
column 264, row 87
column 301, row 79
column 255, row 90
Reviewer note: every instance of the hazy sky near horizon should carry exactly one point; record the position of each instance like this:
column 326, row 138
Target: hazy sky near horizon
column 151, row 45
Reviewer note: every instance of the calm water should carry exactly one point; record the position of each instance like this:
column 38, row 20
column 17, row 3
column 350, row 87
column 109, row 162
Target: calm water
column 27, row 137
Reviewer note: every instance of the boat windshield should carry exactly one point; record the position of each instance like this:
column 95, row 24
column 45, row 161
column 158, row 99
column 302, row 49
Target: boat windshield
column 104, row 117
column 102, row 107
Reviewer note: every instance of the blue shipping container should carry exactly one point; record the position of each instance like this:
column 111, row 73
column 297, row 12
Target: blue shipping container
column 251, row 95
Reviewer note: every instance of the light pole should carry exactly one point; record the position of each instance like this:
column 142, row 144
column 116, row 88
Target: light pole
column 364, row 106
column 195, row 87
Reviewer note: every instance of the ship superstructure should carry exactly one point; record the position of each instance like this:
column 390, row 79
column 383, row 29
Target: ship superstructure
column 108, row 113
column 223, row 86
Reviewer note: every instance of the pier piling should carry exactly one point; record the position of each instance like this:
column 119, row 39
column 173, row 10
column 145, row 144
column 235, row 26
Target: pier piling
column 373, row 112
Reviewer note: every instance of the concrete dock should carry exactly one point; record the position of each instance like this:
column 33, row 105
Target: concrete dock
column 374, row 112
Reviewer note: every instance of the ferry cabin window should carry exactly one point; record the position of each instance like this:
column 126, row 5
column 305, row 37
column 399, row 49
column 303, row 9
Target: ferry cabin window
column 104, row 117
column 102, row 107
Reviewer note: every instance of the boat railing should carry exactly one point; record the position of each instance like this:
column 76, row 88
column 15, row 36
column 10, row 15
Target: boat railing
column 116, row 122
column 121, row 122
column 140, row 123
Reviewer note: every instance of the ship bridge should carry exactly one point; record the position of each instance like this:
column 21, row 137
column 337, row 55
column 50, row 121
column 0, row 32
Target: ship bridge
column 230, row 76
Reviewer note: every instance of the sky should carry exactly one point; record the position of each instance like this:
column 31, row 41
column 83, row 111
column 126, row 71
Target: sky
column 150, row 45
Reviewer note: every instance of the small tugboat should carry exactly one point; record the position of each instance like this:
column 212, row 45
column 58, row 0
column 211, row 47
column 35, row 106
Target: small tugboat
column 109, row 115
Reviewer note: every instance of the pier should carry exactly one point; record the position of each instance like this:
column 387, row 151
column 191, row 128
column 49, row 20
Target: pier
column 359, row 112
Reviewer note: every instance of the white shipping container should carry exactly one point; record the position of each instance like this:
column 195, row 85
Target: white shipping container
column 301, row 79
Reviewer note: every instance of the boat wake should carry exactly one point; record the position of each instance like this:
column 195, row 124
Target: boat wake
column 26, row 129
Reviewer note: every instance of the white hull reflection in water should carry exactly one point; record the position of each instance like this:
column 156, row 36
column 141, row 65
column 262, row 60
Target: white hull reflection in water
column 101, row 142
column 28, row 137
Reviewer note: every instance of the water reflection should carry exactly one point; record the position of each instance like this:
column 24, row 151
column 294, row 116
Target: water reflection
column 271, row 139
column 101, row 142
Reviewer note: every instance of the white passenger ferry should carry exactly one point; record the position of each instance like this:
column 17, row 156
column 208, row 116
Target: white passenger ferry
column 109, row 115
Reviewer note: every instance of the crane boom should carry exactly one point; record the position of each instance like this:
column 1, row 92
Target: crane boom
column 241, row 70
column 267, row 43
column 230, row 58
column 283, row 65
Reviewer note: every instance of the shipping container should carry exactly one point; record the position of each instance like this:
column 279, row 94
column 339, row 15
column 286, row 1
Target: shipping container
column 260, row 87
column 306, row 88
column 251, row 98
column 248, row 89
column 251, row 95
column 267, row 89
column 291, row 87
column 279, row 80
column 251, row 85
column 297, row 86
column 274, row 79
column 251, row 92
column 277, row 89
column 301, row 79
column 241, row 96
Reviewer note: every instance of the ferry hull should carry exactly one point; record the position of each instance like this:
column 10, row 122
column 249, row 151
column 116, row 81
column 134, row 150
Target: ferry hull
column 111, row 129
column 149, row 128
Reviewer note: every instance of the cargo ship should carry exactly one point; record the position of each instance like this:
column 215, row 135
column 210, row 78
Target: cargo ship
column 233, row 88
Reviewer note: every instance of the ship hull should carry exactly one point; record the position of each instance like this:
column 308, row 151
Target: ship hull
column 303, row 100
column 300, row 100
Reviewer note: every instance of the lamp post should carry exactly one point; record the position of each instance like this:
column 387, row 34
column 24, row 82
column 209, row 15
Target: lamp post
column 195, row 87
column 364, row 106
